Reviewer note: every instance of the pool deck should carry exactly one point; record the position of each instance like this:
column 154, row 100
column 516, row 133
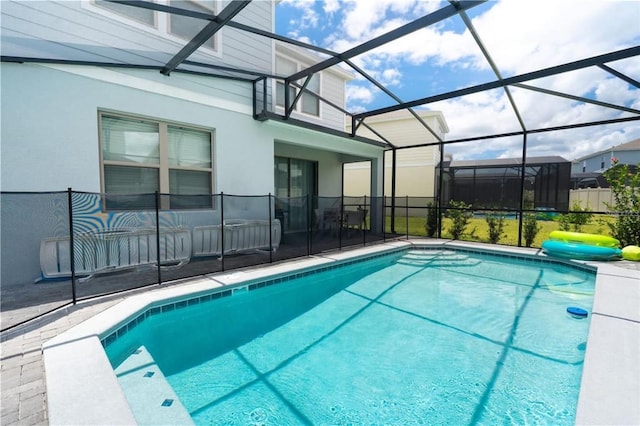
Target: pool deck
column 610, row 389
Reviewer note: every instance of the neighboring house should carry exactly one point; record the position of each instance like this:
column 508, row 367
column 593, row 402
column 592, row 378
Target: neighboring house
column 415, row 167
column 626, row 153
column 97, row 97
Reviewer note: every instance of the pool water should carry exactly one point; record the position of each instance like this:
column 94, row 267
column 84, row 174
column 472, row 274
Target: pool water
column 419, row 337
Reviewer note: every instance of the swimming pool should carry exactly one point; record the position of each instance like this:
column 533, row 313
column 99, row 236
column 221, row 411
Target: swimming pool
column 437, row 336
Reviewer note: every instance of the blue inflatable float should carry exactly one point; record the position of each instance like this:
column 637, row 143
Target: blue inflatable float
column 580, row 251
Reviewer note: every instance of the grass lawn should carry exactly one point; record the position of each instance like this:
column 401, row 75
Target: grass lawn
column 477, row 230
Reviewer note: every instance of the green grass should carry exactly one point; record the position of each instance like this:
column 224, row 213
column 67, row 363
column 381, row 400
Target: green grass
column 477, row 230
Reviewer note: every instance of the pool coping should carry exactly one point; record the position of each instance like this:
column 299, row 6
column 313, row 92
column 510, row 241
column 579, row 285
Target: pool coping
column 79, row 375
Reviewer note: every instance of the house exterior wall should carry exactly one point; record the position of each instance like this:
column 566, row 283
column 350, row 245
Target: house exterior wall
column 602, row 160
column 413, row 178
column 332, row 88
column 50, row 126
column 415, row 175
column 49, row 121
column 84, row 25
column 49, row 133
column 336, row 151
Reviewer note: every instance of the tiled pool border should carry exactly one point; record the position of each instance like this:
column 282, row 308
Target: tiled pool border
column 252, row 285
column 78, row 373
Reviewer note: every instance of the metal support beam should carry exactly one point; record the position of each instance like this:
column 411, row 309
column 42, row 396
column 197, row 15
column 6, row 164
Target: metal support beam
column 21, row 60
column 522, row 182
column 288, row 109
column 439, row 195
column 618, row 74
column 391, row 95
column 520, row 133
column 546, row 72
column 578, row 98
column 493, row 65
column 232, row 9
column 393, row 191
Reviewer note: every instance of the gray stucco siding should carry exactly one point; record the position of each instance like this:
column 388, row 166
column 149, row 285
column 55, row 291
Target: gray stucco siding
column 50, row 128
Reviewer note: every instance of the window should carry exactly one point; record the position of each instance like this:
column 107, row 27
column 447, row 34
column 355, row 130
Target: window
column 166, row 24
column 140, row 157
column 187, row 28
column 145, row 16
column 284, row 67
column 308, row 103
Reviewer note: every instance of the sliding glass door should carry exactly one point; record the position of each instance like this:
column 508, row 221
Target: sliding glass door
column 294, row 181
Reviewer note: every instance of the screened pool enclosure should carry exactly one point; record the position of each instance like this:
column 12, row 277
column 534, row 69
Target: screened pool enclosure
column 496, row 184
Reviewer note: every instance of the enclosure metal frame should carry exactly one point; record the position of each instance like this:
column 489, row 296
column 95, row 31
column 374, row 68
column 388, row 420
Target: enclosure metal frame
column 180, row 63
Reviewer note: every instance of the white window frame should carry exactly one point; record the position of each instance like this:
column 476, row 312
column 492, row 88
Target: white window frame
column 121, row 16
column 298, row 109
column 212, row 43
column 163, row 166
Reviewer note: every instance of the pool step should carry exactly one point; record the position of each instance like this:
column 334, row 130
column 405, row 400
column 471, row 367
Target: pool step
column 436, row 258
column 150, row 396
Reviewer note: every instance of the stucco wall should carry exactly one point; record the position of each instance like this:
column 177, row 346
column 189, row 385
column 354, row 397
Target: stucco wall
column 50, row 126
column 49, row 134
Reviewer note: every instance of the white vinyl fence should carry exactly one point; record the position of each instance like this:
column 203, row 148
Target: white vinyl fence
column 596, row 199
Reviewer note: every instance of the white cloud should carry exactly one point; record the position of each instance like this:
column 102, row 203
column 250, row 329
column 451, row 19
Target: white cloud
column 391, row 76
column 524, row 36
column 359, row 94
column 331, row 6
column 308, row 18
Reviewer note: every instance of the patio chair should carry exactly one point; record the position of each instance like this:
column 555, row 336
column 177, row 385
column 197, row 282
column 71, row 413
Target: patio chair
column 353, row 219
column 330, row 219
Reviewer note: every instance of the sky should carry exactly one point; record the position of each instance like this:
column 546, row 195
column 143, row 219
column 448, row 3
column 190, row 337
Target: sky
column 521, row 37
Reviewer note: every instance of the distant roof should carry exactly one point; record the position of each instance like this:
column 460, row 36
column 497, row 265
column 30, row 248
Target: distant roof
column 508, row 161
column 629, row 146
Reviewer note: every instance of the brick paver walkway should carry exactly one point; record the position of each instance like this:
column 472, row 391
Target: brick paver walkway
column 22, row 379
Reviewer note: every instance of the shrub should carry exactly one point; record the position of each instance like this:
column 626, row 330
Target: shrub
column 431, row 225
column 625, row 186
column 496, row 226
column 530, row 228
column 460, row 216
column 576, row 218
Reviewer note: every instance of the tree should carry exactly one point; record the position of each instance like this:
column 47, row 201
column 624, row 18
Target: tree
column 576, row 218
column 625, row 187
column 460, row 216
column 530, row 228
column 495, row 223
column 431, row 225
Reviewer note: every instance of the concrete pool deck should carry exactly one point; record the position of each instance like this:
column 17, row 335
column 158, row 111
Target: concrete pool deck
column 610, row 390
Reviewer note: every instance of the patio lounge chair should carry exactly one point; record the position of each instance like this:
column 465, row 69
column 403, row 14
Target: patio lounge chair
column 111, row 250
column 239, row 236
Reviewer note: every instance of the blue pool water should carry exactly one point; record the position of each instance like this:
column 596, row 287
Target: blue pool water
column 417, row 337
